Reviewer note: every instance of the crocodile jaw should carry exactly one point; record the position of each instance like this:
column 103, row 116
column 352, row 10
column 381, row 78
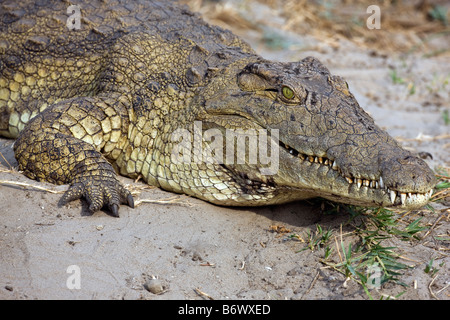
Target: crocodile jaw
column 302, row 177
column 322, row 177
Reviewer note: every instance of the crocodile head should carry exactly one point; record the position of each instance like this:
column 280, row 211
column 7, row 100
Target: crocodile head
column 328, row 146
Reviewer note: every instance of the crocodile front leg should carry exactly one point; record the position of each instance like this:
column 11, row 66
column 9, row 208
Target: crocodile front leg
column 63, row 145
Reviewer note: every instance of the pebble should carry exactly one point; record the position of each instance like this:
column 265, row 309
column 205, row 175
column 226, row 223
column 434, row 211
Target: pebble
column 154, row 286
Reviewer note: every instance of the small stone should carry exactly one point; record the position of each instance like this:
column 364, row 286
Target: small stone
column 196, row 256
column 154, row 286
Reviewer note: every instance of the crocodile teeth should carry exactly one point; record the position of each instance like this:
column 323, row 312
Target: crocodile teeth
column 403, row 197
column 410, row 196
column 334, row 165
column 359, row 183
column 393, row 195
column 373, row 184
column 381, row 183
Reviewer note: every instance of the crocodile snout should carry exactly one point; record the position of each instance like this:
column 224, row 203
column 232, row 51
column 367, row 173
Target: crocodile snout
column 405, row 172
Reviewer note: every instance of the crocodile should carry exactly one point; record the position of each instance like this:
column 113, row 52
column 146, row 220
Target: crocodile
column 149, row 90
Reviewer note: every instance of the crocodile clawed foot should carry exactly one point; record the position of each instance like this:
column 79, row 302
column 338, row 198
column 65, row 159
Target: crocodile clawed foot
column 99, row 192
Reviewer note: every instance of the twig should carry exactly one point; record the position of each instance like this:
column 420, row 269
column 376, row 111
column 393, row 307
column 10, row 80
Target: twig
column 312, row 284
column 337, row 248
column 171, row 200
column 10, row 166
column 202, row 294
column 441, row 194
column 429, row 288
column 448, row 284
column 407, row 259
column 207, row 264
column 433, row 226
column 336, row 242
column 26, row 185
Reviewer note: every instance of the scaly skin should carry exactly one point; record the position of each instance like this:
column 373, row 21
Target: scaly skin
column 111, row 96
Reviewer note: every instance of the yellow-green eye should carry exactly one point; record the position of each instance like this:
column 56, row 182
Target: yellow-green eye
column 287, row 92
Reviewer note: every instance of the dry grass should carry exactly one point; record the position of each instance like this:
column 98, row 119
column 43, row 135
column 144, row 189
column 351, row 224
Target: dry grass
column 348, row 19
column 405, row 25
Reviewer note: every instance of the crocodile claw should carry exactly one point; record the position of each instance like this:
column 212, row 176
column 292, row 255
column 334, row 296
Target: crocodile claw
column 130, row 200
column 99, row 192
column 114, row 210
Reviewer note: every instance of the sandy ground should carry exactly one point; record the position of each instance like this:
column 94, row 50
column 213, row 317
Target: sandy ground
column 196, row 249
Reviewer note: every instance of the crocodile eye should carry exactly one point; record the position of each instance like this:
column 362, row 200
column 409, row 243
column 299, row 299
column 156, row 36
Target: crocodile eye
column 287, row 92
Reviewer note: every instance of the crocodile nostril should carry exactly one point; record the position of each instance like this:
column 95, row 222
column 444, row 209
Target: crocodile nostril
column 407, row 160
